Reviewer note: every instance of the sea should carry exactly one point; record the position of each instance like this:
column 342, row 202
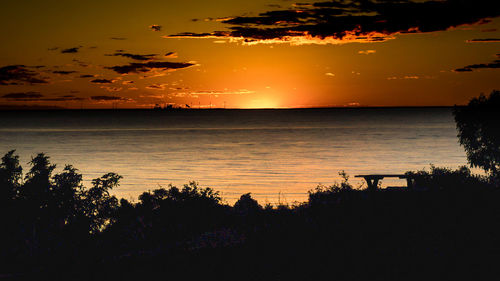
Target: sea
column 277, row 155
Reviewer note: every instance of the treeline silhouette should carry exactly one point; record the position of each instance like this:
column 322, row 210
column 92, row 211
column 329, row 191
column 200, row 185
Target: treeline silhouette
column 55, row 228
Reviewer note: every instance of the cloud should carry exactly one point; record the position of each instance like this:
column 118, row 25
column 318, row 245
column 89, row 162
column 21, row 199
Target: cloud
column 106, row 98
column 87, row 76
column 19, row 75
column 156, row 87
column 71, row 50
column 472, row 67
column 133, row 56
column 111, row 89
column 367, row 52
column 37, row 97
column 214, row 93
column 484, row 40
column 27, row 95
column 149, row 66
column 64, row 98
column 102, row 81
column 118, row 38
column 414, row 77
column 329, row 74
column 410, row 77
column 353, row 104
column 342, row 21
column 64, row 72
column 171, row 55
column 36, row 66
column 155, row 27
column 80, row 63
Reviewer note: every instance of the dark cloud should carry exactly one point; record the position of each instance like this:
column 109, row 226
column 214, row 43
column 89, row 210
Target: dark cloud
column 71, row 50
column 102, row 81
column 171, row 55
column 472, row 67
column 36, row 66
column 64, row 72
column 361, row 20
column 133, row 56
column 81, row 63
column 149, row 66
column 118, row 38
column 155, row 27
column 156, row 87
column 53, row 49
column 27, row 95
column 106, row 98
column 36, row 96
column 19, row 75
column 87, row 76
column 484, row 40
column 66, row 98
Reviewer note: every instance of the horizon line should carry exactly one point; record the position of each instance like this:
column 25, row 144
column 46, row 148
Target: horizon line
column 50, row 108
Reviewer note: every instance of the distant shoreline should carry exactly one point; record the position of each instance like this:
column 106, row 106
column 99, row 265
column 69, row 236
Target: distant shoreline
column 4, row 108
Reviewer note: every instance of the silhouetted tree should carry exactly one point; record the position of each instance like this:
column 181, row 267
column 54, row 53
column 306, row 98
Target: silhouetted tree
column 247, row 205
column 37, row 186
column 10, row 176
column 98, row 204
column 67, row 192
column 479, row 133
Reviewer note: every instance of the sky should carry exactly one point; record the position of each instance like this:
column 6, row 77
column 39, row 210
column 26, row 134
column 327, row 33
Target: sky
column 247, row 54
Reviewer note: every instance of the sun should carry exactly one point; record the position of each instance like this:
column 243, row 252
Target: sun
column 263, row 103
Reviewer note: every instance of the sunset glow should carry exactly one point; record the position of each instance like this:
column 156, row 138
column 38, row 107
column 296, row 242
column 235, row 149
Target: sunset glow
column 270, row 56
column 263, row 103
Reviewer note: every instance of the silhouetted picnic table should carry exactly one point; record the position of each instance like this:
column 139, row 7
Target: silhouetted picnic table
column 372, row 180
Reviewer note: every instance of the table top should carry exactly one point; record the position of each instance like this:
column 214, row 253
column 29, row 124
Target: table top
column 381, row 176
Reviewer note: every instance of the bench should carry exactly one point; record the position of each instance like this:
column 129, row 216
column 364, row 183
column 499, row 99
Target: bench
column 373, row 180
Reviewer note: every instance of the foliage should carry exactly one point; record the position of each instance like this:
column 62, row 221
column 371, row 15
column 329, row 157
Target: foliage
column 247, row 205
column 439, row 178
column 188, row 194
column 98, row 204
column 326, row 194
column 478, row 131
column 52, row 202
column 53, row 223
column 10, row 176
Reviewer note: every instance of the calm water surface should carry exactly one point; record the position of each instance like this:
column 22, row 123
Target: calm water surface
column 271, row 153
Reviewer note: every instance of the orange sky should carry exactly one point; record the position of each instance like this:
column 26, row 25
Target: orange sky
column 263, row 54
